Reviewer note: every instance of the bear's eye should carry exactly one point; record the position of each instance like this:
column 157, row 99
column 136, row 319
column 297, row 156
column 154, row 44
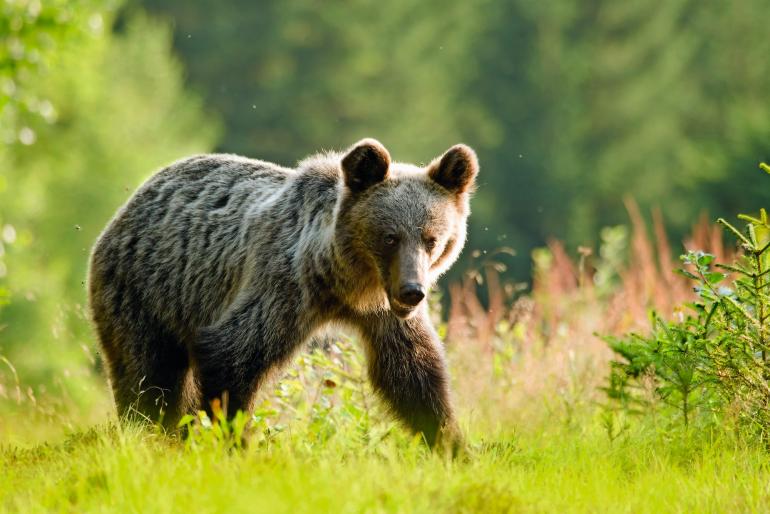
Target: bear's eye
column 430, row 243
column 391, row 240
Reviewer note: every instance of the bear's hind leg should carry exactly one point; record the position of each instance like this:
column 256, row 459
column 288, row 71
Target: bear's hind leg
column 234, row 357
column 149, row 373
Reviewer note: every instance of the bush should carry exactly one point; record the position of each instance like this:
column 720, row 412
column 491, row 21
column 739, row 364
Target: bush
column 715, row 359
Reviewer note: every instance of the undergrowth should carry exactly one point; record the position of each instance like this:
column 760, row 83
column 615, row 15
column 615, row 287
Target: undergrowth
column 711, row 363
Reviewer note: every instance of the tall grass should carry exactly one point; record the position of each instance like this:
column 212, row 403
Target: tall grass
column 523, row 354
column 514, row 353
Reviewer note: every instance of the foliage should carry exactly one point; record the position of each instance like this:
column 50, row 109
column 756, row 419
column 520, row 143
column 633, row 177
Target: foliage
column 715, row 358
column 667, row 366
column 33, row 33
column 119, row 110
column 327, row 389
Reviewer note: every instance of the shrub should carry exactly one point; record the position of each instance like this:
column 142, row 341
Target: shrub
column 715, row 358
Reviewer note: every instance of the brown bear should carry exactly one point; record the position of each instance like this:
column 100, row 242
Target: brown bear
column 220, row 267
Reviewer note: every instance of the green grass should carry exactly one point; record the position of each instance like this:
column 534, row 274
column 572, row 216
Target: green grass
column 546, row 469
column 321, row 443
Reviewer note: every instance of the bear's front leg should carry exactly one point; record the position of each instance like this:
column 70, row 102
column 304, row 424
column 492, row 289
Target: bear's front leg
column 408, row 369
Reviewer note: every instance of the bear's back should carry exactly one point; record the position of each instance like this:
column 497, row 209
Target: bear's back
column 175, row 248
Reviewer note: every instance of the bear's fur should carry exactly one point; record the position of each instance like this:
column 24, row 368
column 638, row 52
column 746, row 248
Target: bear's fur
column 219, row 267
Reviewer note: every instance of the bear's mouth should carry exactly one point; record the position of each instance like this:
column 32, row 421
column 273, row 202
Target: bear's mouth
column 401, row 310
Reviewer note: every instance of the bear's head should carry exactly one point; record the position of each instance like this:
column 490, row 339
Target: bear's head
column 403, row 225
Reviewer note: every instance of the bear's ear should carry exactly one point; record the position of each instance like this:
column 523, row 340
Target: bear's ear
column 456, row 170
column 365, row 164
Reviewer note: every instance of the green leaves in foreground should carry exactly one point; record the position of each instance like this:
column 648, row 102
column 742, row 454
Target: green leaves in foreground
column 666, row 367
column 715, row 358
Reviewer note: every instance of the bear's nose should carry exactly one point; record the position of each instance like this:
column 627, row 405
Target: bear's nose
column 411, row 294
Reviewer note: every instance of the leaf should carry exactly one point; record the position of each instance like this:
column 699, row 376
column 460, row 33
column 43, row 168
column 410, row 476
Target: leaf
column 734, row 230
column 714, row 277
column 750, row 219
column 186, row 420
column 735, row 269
column 705, row 293
column 686, row 273
column 705, row 259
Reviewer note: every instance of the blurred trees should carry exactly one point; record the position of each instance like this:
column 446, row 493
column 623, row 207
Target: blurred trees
column 294, row 77
column 116, row 110
column 32, row 32
column 571, row 105
column 667, row 103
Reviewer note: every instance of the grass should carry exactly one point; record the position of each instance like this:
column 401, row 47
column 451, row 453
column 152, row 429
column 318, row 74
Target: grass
column 561, row 469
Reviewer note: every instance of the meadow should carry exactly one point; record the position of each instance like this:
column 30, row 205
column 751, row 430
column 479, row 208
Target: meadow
column 530, row 374
column 593, row 368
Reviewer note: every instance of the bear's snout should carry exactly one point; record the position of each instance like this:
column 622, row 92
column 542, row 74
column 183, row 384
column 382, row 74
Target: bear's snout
column 411, row 294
